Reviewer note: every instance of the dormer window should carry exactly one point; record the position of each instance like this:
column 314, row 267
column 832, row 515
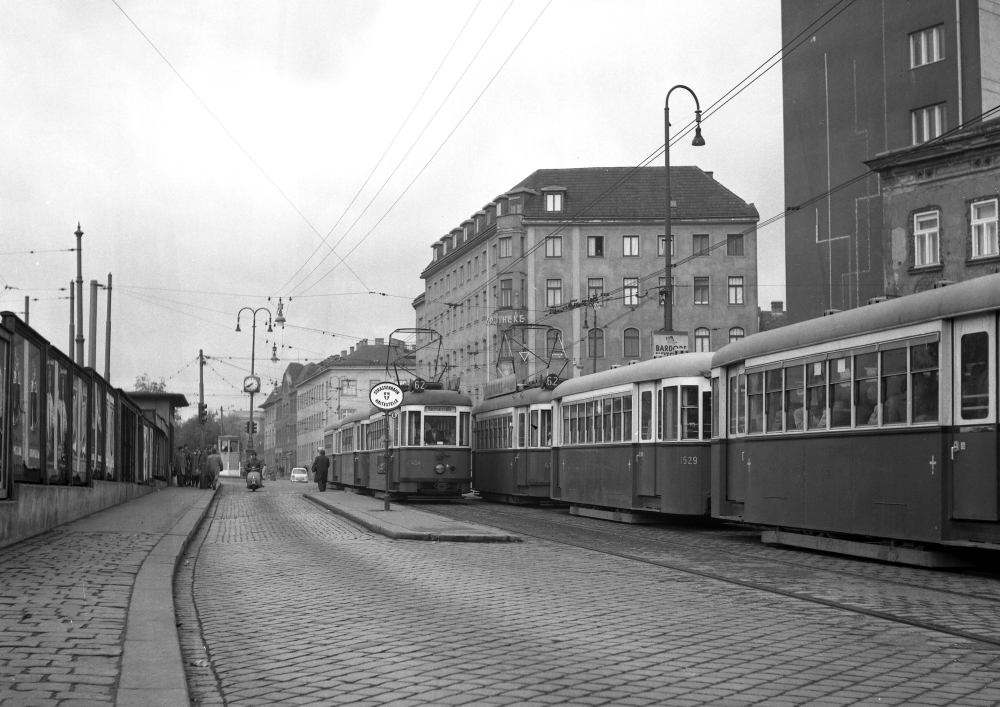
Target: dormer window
column 554, row 202
column 499, row 208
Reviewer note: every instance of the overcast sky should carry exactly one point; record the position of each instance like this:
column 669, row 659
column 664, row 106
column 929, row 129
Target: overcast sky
column 208, row 148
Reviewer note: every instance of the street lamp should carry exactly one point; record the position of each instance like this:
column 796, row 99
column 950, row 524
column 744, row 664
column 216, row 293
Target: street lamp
column 340, row 388
column 252, row 383
column 668, row 288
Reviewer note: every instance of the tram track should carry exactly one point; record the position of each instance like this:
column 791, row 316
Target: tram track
column 808, row 595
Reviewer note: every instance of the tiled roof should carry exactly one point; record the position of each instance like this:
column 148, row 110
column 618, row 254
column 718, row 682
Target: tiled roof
column 609, row 193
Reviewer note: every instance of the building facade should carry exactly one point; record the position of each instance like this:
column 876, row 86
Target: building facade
column 941, row 205
column 878, row 78
column 579, row 255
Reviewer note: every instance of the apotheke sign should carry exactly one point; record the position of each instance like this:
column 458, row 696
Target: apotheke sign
column 508, row 317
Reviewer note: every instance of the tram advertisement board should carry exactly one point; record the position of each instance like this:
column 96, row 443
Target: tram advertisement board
column 386, row 396
column 669, row 343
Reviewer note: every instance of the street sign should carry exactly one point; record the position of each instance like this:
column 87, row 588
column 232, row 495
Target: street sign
column 669, row 343
column 386, row 396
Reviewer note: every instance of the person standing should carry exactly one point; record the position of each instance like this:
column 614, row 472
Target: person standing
column 188, row 460
column 196, row 462
column 179, row 465
column 213, row 467
column 320, row 468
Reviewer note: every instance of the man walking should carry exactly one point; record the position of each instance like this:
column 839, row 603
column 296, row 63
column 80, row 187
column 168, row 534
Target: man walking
column 213, row 467
column 179, row 463
column 320, row 468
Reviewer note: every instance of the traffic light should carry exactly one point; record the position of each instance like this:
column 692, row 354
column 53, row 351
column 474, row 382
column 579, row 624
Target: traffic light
column 247, row 426
column 255, row 428
column 203, row 413
column 251, row 427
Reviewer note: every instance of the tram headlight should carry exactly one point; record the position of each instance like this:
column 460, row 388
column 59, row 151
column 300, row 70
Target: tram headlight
column 439, row 469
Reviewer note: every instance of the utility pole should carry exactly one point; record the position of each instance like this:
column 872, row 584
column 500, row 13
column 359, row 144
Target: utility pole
column 79, row 295
column 107, row 338
column 26, row 300
column 72, row 331
column 92, row 349
column 201, row 394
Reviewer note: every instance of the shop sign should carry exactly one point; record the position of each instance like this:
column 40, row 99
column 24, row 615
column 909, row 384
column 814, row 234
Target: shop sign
column 669, row 343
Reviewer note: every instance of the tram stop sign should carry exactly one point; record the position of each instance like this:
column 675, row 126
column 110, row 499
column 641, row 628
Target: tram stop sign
column 386, row 396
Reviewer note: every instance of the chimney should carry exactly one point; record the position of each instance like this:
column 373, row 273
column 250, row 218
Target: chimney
column 777, row 307
column 710, row 174
column 343, row 354
column 380, row 342
column 352, row 349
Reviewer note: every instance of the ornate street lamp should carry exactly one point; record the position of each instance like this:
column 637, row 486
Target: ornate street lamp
column 251, row 384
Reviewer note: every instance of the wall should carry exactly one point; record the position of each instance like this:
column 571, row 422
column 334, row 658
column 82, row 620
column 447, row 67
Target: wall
column 36, row 509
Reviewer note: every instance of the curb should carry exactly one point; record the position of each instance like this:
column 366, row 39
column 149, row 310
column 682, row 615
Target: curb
column 152, row 669
column 395, row 534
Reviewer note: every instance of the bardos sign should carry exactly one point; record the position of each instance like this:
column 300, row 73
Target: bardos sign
column 669, row 343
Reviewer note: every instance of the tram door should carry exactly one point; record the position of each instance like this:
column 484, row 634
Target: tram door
column 973, row 449
column 645, row 451
column 520, row 458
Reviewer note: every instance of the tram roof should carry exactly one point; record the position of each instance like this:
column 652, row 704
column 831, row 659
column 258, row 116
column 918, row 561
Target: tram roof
column 520, row 398
column 969, row 297
column 689, row 364
column 427, row 397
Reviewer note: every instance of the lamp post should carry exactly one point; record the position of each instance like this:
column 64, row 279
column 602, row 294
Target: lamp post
column 668, row 288
column 339, row 389
column 252, row 384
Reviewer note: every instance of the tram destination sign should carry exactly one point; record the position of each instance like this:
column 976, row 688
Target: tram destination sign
column 669, row 343
column 386, row 396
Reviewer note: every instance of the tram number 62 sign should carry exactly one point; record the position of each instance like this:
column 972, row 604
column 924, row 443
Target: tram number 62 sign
column 386, row 396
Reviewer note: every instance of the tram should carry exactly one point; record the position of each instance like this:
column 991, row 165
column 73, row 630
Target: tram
column 635, row 441
column 512, row 455
column 430, row 439
column 231, row 453
column 878, row 423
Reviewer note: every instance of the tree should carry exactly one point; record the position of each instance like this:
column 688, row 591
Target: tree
column 148, row 385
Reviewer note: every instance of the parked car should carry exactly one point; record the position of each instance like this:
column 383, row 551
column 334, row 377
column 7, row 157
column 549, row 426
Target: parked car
column 299, row 474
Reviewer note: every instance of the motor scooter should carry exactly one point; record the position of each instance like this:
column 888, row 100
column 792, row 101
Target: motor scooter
column 253, row 480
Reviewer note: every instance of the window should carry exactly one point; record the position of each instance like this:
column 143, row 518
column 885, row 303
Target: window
column 984, row 228
column 595, row 246
column 461, row 275
column 506, row 293
column 701, row 339
column 348, row 387
column 975, row 361
column 515, row 205
column 553, row 293
column 631, row 339
column 736, row 333
column 927, row 46
column 484, row 261
column 553, row 202
column 927, row 123
column 506, row 247
column 553, row 247
column 468, row 270
column 840, row 392
column 553, row 345
column 595, row 287
column 661, row 241
column 866, row 389
column 924, row 382
column 477, row 266
column 499, row 208
column 795, row 398
column 734, row 244
column 816, row 395
column 701, row 290
column 494, row 250
column 893, row 386
column 630, row 246
column 736, row 290
column 595, row 343
column 630, row 291
column 699, row 244
column 925, row 238
column 773, row 387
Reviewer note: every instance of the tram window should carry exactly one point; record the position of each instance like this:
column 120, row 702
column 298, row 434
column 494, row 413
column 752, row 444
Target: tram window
column 689, row 411
column 706, row 414
column 646, row 414
column 924, row 382
column 589, row 415
column 866, row 390
column 732, row 405
column 572, row 423
column 659, row 418
column 463, row 428
column 794, row 398
column 715, row 405
column 413, row 428
column 439, row 429
column 975, row 376
column 545, row 431
column 741, row 399
column 755, row 403
column 773, row 409
column 566, row 426
column 616, row 420
column 816, row 395
column 627, row 418
column 520, row 429
column 607, row 419
column 534, row 428
column 599, row 421
column 893, row 386
column 669, row 412
column 840, row 392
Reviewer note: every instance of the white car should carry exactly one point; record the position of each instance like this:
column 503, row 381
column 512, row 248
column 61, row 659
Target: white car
column 299, row 474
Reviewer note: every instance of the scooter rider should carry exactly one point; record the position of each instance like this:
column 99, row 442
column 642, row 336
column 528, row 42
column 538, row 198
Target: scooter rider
column 253, row 464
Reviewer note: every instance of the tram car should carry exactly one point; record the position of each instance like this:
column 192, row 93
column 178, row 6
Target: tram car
column 878, row 423
column 330, row 442
column 512, row 452
column 431, row 450
column 62, row 424
column 634, row 441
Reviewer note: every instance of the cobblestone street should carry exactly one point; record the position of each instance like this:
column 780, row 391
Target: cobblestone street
column 298, row 606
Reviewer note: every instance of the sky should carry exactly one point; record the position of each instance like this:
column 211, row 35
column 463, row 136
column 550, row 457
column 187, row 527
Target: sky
column 219, row 155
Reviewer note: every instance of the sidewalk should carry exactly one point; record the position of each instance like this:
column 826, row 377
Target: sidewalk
column 405, row 521
column 87, row 612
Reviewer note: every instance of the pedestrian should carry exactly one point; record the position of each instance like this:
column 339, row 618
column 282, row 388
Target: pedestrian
column 196, row 462
column 188, row 460
column 179, row 466
column 213, row 467
column 320, row 468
